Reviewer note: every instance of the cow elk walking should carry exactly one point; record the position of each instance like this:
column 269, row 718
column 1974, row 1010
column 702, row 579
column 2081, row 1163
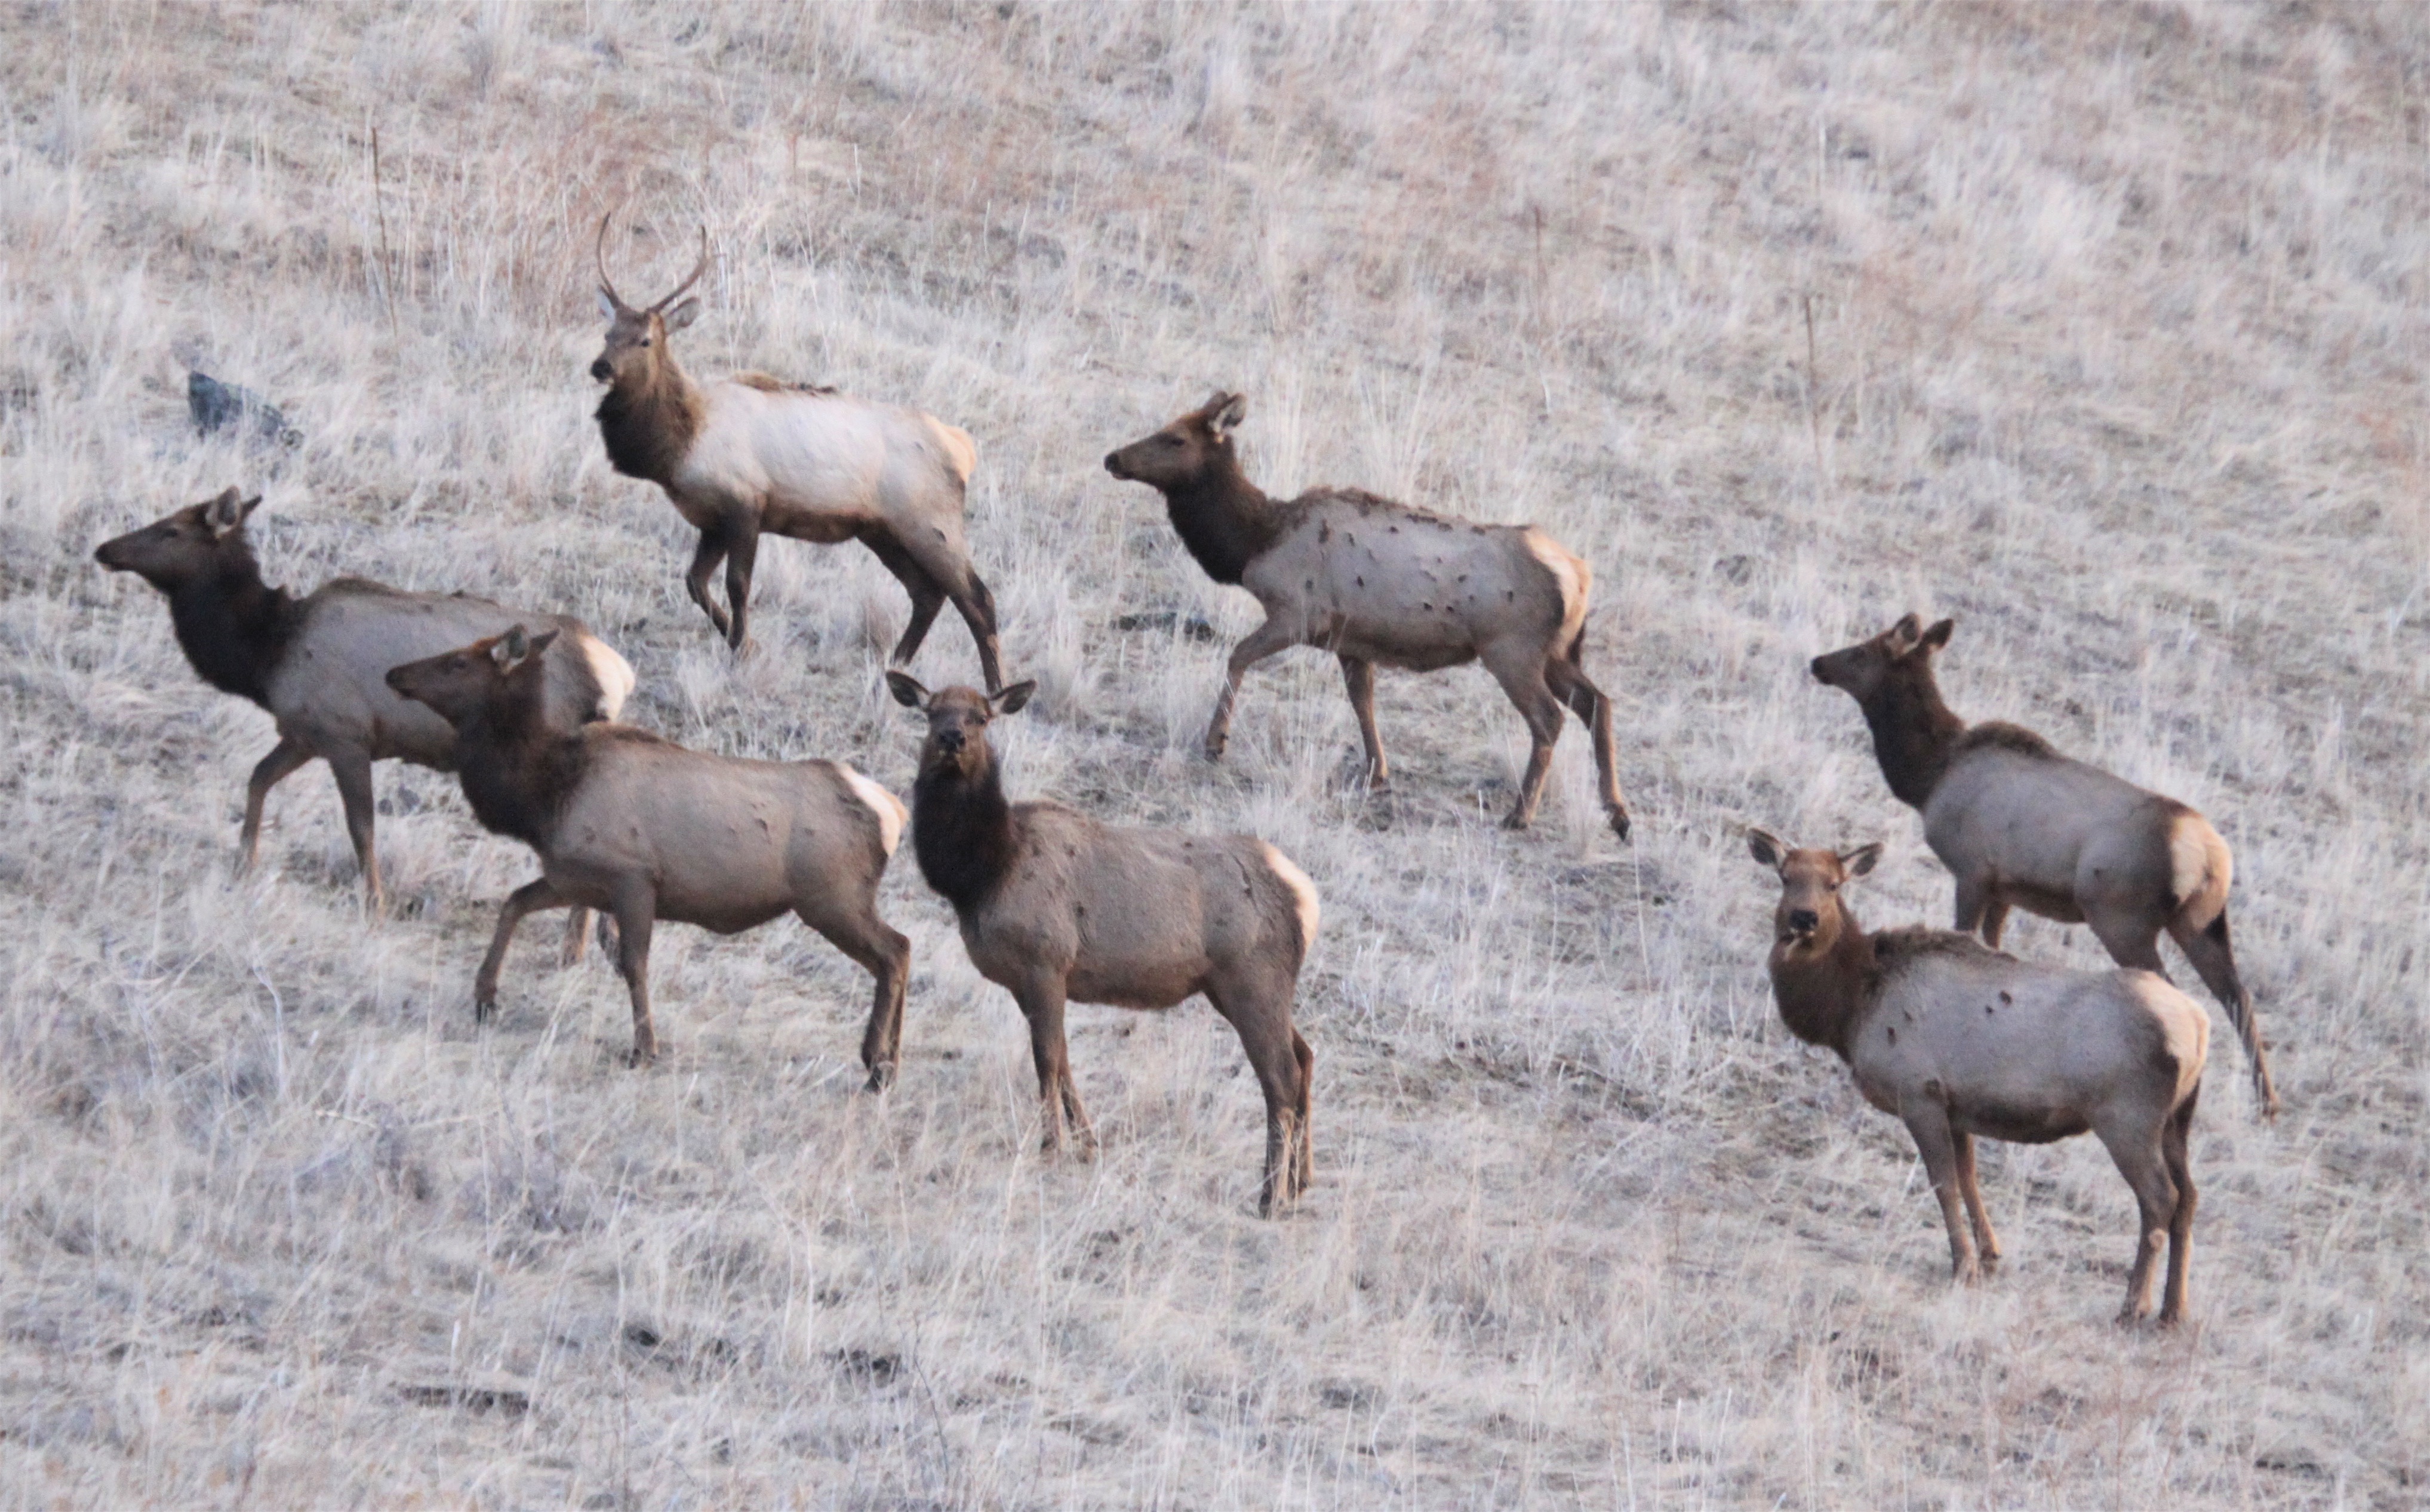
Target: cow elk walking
column 1377, row 583
column 2018, row 824
column 316, row 662
column 1058, row 907
column 645, row 830
column 1958, row 1039
column 748, row 455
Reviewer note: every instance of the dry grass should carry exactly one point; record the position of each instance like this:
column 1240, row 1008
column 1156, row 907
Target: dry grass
column 2119, row 316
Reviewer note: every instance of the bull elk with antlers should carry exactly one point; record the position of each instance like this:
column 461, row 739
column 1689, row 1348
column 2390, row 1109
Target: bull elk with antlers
column 748, row 455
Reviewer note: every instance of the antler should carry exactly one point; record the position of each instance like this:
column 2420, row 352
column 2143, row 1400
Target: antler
column 693, row 277
column 599, row 255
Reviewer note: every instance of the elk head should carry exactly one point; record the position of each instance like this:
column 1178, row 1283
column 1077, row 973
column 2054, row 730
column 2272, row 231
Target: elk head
column 1861, row 668
column 175, row 550
column 637, row 337
column 1185, row 449
column 957, row 722
column 1808, row 920
column 458, row 684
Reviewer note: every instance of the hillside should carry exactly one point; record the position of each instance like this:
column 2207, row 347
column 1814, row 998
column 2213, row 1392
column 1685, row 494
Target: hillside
column 2100, row 329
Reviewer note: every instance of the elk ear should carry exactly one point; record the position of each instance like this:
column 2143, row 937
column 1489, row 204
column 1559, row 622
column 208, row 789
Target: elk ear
column 1236, row 409
column 1937, row 636
column 906, row 690
column 1766, row 847
column 540, row 642
column 682, row 315
column 1860, row 861
column 510, row 648
column 1012, row 700
column 1904, row 634
column 226, row 514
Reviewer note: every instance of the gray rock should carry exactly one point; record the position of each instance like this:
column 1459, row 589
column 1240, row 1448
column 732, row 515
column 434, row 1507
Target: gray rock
column 223, row 406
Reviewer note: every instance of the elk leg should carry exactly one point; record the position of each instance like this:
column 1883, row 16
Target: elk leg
column 1358, row 675
column 1262, row 642
column 947, row 563
column 578, row 936
column 272, row 770
column 2131, row 942
column 977, row 606
column 1306, row 1058
column 927, row 597
column 2139, row 1153
column 1995, row 921
column 1568, row 682
column 1260, row 1012
column 530, row 898
column 2181, row 1223
column 1974, row 900
column 636, row 909
column 884, row 954
column 1928, row 1121
column 1522, row 676
column 1971, row 1188
column 742, row 557
column 703, row 562
column 2214, row 961
column 353, row 769
column 1059, row 1100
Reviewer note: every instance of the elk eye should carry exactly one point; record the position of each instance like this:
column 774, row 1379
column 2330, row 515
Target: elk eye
column 644, row 342
column 1833, row 886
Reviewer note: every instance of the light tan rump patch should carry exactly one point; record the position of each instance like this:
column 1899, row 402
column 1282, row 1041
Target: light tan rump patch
column 1303, row 894
column 891, row 815
column 1572, row 577
column 613, row 672
column 2200, row 867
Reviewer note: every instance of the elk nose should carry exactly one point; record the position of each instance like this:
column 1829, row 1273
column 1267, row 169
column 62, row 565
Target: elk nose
column 1816, row 668
column 1804, row 921
column 1113, row 463
column 601, row 371
column 950, row 743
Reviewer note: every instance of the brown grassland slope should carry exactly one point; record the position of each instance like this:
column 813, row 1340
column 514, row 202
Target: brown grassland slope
column 2100, row 328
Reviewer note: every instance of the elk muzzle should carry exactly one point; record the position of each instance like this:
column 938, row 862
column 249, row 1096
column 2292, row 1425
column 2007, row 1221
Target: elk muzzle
column 604, row 371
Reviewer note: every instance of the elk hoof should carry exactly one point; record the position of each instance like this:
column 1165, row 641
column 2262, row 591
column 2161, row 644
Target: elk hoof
column 484, row 1009
column 882, row 1076
column 1214, row 747
column 1619, row 825
column 1967, row 1274
column 642, row 1056
column 1516, row 821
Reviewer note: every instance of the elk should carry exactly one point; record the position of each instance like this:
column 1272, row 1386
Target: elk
column 1377, row 583
column 750, row 455
column 1958, row 1039
column 642, row 829
column 1057, row 907
column 2019, row 825
column 315, row 662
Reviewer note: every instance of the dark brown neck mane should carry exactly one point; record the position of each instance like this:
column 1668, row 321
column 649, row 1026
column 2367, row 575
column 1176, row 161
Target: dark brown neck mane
column 649, row 421
column 232, row 626
column 517, row 771
column 962, row 831
column 1914, row 732
column 1224, row 520
column 1823, row 996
